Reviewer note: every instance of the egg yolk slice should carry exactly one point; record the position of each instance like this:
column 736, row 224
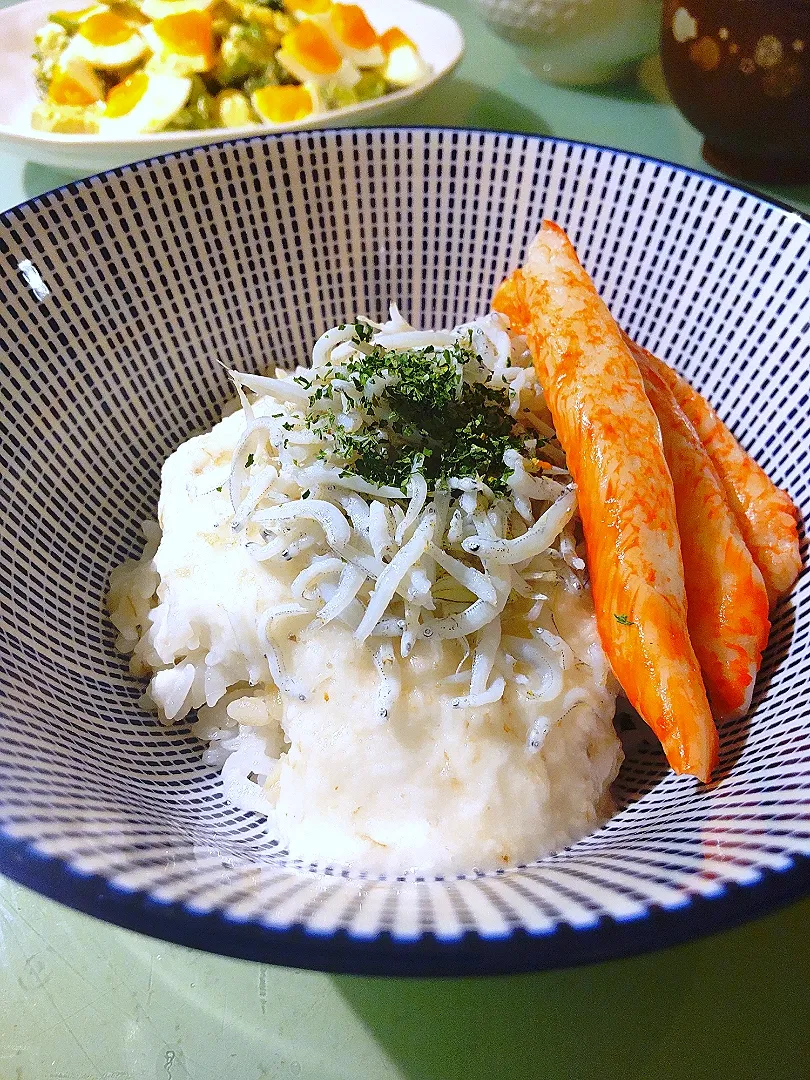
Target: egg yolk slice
column 395, row 39
column 351, row 26
column 106, row 28
column 283, row 104
column 66, row 89
column 123, row 98
column 308, row 46
column 187, row 33
column 311, row 7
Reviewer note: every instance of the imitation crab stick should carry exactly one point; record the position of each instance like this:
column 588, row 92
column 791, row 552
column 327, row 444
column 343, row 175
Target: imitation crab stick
column 765, row 514
column 727, row 603
column 612, row 440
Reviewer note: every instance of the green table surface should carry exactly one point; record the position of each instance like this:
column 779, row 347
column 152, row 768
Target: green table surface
column 80, row 1000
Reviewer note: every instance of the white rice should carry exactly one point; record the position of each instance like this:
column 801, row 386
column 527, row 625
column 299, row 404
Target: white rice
column 398, row 681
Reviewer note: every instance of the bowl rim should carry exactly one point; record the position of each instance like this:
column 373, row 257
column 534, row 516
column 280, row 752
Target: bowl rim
column 261, row 135
column 340, row 953
column 384, row 954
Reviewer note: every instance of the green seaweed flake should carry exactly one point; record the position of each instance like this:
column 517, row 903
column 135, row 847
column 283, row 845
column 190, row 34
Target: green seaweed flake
column 419, row 413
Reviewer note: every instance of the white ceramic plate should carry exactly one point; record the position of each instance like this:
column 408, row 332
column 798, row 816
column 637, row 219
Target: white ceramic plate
column 437, row 36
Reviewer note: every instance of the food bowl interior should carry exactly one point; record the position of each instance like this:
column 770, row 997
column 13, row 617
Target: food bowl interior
column 157, row 277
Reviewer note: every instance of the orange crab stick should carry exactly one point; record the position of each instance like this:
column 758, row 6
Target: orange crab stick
column 765, row 514
column 727, row 603
column 612, row 440
column 510, row 299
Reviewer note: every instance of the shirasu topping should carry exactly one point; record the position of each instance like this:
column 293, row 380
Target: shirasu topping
column 418, row 477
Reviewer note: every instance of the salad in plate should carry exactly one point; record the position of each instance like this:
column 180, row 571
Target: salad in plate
column 132, row 67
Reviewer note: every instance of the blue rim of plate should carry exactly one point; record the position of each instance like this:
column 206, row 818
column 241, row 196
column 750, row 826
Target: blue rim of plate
column 385, row 955
column 703, row 174
column 341, row 953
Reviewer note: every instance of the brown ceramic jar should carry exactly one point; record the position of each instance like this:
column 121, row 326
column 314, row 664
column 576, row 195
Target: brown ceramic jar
column 739, row 70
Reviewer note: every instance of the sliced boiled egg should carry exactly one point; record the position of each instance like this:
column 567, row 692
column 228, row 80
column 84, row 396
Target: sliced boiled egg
column 106, row 40
column 181, row 44
column 286, row 104
column 75, row 83
column 160, row 9
column 354, row 36
column 403, row 64
column 309, row 55
column 143, row 102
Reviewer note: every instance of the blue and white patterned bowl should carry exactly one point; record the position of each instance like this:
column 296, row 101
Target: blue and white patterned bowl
column 237, row 253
